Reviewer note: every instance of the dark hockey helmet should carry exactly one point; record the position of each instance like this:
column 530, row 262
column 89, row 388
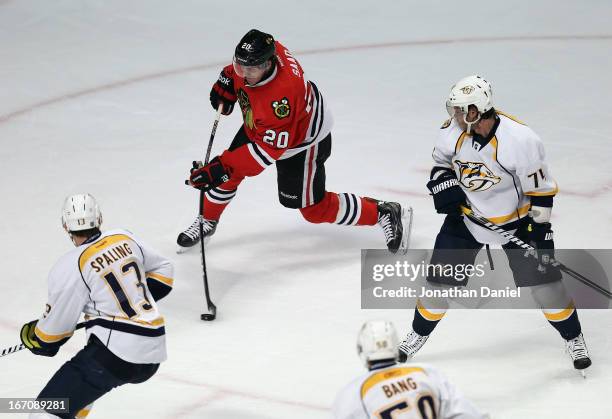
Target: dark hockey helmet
column 254, row 48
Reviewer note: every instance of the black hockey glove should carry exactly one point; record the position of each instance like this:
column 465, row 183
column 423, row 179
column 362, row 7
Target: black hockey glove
column 223, row 92
column 447, row 193
column 207, row 177
column 29, row 339
column 540, row 236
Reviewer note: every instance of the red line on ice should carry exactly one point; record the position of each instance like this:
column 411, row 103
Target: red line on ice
column 399, row 44
column 226, row 392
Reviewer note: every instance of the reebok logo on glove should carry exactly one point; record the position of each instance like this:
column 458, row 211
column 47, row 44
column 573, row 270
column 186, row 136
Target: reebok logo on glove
column 224, row 80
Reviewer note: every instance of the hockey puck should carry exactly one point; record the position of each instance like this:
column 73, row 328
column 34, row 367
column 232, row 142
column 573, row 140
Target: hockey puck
column 207, row 317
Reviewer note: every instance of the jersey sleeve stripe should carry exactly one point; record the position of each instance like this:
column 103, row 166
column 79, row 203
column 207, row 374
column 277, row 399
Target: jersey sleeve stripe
column 317, row 105
column 161, row 278
column 316, row 122
column 48, row 338
column 548, row 193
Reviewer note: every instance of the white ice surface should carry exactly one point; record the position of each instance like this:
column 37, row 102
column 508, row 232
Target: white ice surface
column 111, row 97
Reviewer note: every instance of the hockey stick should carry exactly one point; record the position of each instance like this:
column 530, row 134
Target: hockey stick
column 483, row 222
column 17, row 348
column 212, row 309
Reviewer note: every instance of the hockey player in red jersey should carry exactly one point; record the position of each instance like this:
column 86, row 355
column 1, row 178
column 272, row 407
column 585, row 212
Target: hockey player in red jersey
column 286, row 123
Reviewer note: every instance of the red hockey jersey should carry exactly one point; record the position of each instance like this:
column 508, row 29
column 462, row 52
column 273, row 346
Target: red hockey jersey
column 283, row 115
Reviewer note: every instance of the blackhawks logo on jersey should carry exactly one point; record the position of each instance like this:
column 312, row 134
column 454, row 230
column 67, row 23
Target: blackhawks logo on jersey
column 245, row 106
column 476, row 176
column 281, row 108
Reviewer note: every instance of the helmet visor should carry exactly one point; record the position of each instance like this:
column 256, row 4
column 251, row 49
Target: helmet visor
column 249, row 71
column 455, row 110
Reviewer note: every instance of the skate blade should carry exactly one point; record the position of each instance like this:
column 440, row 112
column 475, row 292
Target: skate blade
column 180, row 249
column 407, row 229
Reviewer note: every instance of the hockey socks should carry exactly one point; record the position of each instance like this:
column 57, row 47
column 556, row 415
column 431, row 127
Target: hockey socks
column 565, row 321
column 426, row 319
column 215, row 202
column 343, row 209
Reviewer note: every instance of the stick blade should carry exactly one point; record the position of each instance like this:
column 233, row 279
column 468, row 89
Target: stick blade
column 211, row 315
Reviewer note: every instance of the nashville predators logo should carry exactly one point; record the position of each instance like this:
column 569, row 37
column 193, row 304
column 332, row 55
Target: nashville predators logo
column 281, row 108
column 476, row 176
column 245, row 107
column 467, row 90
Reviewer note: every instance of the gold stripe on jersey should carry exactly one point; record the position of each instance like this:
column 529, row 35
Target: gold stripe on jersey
column 434, row 317
column 493, row 143
column 160, row 321
column 559, row 315
column 100, row 245
column 460, row 141
column 550, row 193
column 510, row 117
column 502, row 219
column 161, row 278
column 47, row 338
column 387, row 375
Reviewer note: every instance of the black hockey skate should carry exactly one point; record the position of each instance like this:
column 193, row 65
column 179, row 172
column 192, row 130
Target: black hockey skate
column 396, row 223
column 578, row 352
column 191, row 236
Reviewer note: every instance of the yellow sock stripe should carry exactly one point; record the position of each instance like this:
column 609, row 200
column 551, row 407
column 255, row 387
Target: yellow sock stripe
column 558, row 316
column 83, row 413
column 434, row 317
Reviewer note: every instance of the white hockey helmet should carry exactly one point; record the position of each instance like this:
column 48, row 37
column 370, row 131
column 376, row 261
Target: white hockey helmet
column 81, row 212
column 377, row 341
column 470, row 90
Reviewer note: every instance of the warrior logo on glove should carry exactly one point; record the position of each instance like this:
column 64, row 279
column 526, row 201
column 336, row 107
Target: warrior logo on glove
column 476, row 176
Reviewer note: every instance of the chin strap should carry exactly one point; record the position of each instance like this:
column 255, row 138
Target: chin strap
column 469, row 124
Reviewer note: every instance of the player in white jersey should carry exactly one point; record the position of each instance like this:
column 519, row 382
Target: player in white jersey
column 496, row 165
column 399, row 391
column 115, row 280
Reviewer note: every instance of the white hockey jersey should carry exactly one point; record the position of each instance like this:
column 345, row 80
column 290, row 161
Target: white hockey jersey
column 403, row 391
column 499, row 175
column 106, row 279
